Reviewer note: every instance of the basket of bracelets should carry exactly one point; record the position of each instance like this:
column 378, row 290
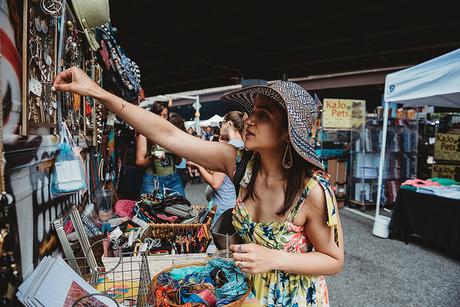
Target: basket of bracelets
column 176, row 225
column 216, row 282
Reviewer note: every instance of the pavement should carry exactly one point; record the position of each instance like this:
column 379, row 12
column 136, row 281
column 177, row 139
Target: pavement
column 384, row 272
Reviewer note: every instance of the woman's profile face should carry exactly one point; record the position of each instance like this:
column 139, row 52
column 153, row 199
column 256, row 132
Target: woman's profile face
column 263, row 128
column 164, row 113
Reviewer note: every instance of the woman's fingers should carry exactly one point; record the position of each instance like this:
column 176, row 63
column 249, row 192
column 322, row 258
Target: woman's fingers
column 62, row 87
column 239, row 248
column 243, row 257
column 75, row 80
column 63, row 81
column 62, row 78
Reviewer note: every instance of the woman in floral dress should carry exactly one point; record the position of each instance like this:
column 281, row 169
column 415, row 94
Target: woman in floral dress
column 286, row 212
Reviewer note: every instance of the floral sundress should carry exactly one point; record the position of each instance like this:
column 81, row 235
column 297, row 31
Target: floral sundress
column 278, row 288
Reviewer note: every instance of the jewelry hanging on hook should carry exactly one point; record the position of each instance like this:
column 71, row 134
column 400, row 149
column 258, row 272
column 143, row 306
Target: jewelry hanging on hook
column 51, row 7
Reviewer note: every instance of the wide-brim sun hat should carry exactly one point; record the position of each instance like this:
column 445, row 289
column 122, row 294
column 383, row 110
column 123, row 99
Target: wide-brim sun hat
column 91, row 14
column 301, row 108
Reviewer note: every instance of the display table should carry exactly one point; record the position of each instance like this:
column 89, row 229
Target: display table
column 434, row 218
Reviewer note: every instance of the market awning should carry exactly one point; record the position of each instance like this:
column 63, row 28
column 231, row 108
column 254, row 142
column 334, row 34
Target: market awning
column 436, row 83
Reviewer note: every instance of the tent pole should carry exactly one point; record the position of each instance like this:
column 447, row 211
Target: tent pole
column 197, row 115
column 382, row 158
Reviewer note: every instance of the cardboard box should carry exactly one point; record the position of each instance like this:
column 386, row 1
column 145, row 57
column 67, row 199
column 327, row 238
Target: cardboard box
column 332, row 171
column 341, row 172
column 337, row 169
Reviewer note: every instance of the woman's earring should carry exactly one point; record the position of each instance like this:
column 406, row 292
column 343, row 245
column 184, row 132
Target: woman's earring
column 287, row 157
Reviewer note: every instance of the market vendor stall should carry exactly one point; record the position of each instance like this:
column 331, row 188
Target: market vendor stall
column 435, row 82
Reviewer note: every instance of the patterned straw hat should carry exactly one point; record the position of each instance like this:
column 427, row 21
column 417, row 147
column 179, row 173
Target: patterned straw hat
column 301, row 108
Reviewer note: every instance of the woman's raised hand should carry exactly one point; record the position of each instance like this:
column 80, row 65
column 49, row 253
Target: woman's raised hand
column 77, row 81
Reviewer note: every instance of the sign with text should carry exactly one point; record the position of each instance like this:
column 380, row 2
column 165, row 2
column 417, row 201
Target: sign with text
column 343, row 113
column 444, row 171
column 447, row 147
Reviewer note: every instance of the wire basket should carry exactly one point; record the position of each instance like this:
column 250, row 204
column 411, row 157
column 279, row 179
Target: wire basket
column 128, row 283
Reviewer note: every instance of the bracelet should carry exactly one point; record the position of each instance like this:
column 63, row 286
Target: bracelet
column 123, row 105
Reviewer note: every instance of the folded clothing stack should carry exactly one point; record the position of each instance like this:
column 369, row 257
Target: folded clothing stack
column 171, row 209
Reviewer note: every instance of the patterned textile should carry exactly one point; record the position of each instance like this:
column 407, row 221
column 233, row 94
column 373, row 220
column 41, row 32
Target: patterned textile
column 278, row 288
column 123, row 71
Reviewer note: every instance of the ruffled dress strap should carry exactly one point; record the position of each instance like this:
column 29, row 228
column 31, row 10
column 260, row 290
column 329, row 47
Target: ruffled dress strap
column 323, row 179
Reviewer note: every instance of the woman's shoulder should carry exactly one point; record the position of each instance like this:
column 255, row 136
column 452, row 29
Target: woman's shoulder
column 317, row 197
column 317, row 187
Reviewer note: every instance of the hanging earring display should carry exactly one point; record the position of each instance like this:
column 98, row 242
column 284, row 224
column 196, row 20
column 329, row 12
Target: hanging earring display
column 70, row 54
column 51, row 7
column 89, row 105
column 39, row 48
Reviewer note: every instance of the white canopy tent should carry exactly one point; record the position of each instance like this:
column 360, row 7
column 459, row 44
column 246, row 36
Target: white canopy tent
column 214, row 121
column 435, row 82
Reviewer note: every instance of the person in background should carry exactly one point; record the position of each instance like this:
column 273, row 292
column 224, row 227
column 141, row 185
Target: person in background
column 223, row 191
column 208, row 133
column 286, row 212
column 157, row 162
column 190, row 130
column 181, row 163
column 216, row 136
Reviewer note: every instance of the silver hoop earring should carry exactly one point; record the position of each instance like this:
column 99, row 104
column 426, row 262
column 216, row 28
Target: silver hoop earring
column 287, row 157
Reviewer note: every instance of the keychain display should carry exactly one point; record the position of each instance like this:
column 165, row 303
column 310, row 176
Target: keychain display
column 39, row 48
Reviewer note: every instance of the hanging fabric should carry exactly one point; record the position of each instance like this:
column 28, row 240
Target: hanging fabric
column 124, row 72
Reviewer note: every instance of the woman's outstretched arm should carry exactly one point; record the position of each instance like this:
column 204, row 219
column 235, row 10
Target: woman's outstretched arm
column 212, row 155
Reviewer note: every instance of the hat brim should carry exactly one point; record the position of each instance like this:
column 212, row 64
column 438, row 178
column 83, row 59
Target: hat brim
column 245, row 99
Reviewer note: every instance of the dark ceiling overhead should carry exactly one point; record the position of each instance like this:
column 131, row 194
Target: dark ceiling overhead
column 190, row 45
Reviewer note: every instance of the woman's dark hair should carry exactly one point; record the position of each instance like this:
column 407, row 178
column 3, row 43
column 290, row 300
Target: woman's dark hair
column 294, row 177
column 158, row 107
column 177, row 120
column 236, row 117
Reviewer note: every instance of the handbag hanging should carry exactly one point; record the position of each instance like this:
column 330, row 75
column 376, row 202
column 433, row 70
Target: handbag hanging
column 129, row 179
column 68, row 172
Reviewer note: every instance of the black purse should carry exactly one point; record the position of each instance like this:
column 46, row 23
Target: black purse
column 223, row 232
column 129, row 180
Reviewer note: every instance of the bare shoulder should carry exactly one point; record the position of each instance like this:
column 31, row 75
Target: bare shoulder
column 313, row 205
